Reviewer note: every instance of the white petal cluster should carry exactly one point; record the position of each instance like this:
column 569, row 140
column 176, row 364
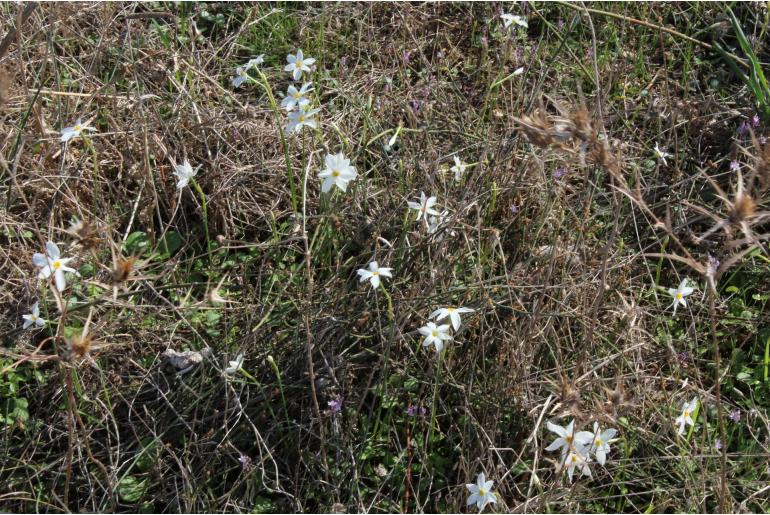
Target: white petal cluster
column 481, row 493
column 578, row 449
column 53, row 264
column 373, row 274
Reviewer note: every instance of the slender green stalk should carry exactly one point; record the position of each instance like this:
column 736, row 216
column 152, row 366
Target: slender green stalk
column 433, row 402
column 289, row 169
column 280, row 386
column 204, row 206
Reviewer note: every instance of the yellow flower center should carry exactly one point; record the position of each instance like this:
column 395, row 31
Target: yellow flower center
column 57, row 264
column 302, row 118
column 33, row 317
column 376, row 273
column 482, row 491
column 434, row 333
column 568, row 438
column 78, row 128
column 335, row 173
column 297, row 95
column 450, row 310
column 574, row 458
column 686, row 413
column 678, row 296
column 298, row 65
column 598, row 442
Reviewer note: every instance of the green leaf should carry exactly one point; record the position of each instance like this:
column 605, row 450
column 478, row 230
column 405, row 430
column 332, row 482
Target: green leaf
column 131, row 489
column 170, row 243
column 137, row 243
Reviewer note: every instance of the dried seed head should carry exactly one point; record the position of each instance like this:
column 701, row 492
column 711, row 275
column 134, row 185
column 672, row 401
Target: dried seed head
column 582, row 125
column 743, row 209
column 78, row 346
column 123, row 269
column 86, row 234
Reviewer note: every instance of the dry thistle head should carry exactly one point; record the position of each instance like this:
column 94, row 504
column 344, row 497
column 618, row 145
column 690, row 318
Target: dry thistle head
column 86, row 234
column 123, row 269
column 570, row 396
column 582, row 125
column 78, row 346
column 540, row 131
column 743, row 208
column 601, row 154
column 761, row 162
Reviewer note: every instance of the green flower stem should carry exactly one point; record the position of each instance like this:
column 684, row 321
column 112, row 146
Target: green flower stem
column 256, row 383
column 391, row 317
column 205, row 212
column 277, row 112
column 280, row 387
column 433, row 402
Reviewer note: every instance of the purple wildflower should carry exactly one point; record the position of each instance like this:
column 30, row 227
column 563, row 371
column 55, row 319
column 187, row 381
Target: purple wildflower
column 734, row 166
column 718, row 444
column 514, row 209
column 755, row 121
column 245, row 462
column 406, row 56
column 518, row 55
column 743, row 129
column 735, row 415
column 335, row 405
column 559, row 173
column 414, row 410
column 683, row 356
column 712, row 265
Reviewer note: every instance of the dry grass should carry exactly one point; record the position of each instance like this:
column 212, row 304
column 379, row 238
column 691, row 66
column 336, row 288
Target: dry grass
column 563, row 237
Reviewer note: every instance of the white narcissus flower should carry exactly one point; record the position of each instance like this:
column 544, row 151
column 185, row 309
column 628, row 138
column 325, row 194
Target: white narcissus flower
column 373, row 274
column 434, row 222
column 184, row 173
column 253, row 63
column 424, row 207
column 510, row 19
column 337, row 172
column 296, row 97
column 73, row 131
column 452, row 313
column 298, row 64
column 601, row 442
column 33, row 318
column 242, row 72
column 686, row 417
column 435, row 335
column 234, row 366
column 241, row 76
column 303, row 117
column 458, row 168
column 680, row 293
column 660, row 154
column 53, row 264
column 577, row 459
column 481, row 493
column 567, row 439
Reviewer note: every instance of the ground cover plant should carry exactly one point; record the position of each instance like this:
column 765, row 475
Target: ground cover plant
column 373, row 257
